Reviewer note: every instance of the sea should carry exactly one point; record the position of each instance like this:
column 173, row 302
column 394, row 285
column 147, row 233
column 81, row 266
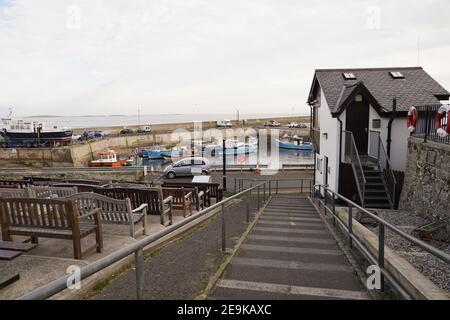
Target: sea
column 92, row 121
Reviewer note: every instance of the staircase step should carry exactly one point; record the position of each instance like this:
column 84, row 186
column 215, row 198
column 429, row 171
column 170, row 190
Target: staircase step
column 376, row 198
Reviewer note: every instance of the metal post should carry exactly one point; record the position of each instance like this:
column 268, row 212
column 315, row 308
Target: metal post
column 235, row 180
column 334, row 210
column 301, row 188
column 264, row 197
column 259, row 205
column 270, row 188
column 381, row 254
column 277, row 187
column 427, row 120
column 247, row 204
column 224, row 156
column 350, row 224
column 139, row 265
column 325, row 201
column 224, row 243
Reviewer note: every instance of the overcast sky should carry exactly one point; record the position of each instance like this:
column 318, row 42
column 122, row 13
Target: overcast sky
column 203, row 56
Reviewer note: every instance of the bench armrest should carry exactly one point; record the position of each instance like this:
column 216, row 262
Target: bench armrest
column 142, row 207
column 201, row 194
column 95, row 212
column 188, row 195
column 167, row 200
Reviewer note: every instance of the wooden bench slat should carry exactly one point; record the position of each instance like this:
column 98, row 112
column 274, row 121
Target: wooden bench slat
column 17, row 246
column 9, row 254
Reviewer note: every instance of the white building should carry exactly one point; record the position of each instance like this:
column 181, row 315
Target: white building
column 359, row 128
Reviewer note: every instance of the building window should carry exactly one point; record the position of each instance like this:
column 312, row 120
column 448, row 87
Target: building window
column 349, row 76
column 376, row 123
column 397, row 75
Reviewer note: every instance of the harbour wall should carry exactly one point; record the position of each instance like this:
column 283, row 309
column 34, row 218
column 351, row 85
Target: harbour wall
column 80, row 154
column 427, row 180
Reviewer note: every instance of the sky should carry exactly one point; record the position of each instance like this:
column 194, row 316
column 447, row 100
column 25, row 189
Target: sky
column 203, row 56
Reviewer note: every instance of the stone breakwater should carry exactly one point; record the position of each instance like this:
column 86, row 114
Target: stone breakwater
column 427, row 180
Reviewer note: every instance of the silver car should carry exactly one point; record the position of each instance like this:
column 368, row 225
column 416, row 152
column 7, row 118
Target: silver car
column 187, row 167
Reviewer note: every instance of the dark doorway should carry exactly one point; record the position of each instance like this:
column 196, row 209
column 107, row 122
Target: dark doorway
column 357, row 121
column 325, row 168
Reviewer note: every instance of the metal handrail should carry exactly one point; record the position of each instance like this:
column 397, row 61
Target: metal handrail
column 60, row 284
column 354, row 155
column 239, row 183
column 382, row 225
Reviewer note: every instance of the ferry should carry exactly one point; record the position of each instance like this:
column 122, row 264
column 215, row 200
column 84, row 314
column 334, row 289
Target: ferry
column 108, row 158
column 295, row 143
column 20, row 133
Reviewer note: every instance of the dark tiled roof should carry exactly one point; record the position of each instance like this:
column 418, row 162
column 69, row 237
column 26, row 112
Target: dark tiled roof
column 418, row 88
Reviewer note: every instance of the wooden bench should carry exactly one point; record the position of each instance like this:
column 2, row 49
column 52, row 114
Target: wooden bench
column 182, row 199
column 113, row 211
column 14, row 183
column 38, row 192
column 49, row 218
column 153, row 197
column 212, row 190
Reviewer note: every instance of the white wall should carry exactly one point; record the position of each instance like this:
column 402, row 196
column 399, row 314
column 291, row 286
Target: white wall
column 328, row 146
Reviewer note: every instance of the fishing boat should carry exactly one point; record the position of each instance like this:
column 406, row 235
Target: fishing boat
column 232, row 147
column 20, row 133
column 156, row 152
column 108, row 158
column 295, row 143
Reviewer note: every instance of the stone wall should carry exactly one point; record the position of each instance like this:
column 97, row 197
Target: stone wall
column 427, row 180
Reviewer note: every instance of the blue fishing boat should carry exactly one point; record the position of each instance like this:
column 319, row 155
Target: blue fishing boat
column 156, row 152
column 232, row 147
column 295, row 144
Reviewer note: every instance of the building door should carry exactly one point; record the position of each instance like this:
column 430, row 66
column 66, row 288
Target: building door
column 357, row 121
column 325, row 168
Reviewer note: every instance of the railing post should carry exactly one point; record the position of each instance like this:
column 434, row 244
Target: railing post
column 259, row 192
column 139, row 266
column 334, row 210
column 270, row 188
column 350, row 224
column 301, row 188
column 247, row 204
column 264, row 198
column 235, row 180
column 427, row 120
column 381, row 254
column 325, row 200
column 224, row 244
column 277, row 187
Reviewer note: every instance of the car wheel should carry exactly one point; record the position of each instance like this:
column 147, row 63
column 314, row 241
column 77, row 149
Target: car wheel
column 205, row 172
column 171, row 175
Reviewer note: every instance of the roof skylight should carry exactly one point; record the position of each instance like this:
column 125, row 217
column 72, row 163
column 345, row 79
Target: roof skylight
column 349, row 76
column 397, row 75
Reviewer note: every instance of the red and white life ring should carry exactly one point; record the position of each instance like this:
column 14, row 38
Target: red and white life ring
column 442, row 130
column 411, row 119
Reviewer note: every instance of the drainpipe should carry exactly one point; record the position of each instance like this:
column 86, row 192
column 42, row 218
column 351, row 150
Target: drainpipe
column 311, row 121
column 340, row 153
column 389, row 135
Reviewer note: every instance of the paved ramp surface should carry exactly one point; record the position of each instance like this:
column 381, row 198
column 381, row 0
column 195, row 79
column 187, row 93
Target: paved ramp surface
column 289, row 254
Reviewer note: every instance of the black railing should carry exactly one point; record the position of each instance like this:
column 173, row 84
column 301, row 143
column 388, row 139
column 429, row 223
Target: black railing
column 426, row 125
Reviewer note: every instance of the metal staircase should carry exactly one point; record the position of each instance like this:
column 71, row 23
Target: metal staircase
column 374, row 177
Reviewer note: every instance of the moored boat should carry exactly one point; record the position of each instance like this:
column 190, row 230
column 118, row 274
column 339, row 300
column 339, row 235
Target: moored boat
column 108, row 158
column 295, row 143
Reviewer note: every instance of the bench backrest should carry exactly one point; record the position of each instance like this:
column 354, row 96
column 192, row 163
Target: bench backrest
column 138, row 196
column 14, row 183
column 38, row 213
column 41, row 192
column 80, row 187
column 14, row 193
column 112, row 210
column 214, row 189
column 178, row 194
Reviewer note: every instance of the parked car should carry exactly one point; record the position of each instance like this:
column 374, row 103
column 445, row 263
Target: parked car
column 187, row 167
column 92, row 134
column 272, row 123
column 144, row 129
column 298, row 125
column 126, row 131
column 224, row 124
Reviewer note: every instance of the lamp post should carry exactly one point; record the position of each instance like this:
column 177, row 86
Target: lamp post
column 224, row 165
